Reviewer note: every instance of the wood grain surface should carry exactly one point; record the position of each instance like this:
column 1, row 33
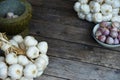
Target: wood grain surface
column 74, row 54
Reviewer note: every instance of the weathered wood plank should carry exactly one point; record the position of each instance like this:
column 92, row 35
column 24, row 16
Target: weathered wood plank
column 82, row 53
column 74, row 70
column 46, row 77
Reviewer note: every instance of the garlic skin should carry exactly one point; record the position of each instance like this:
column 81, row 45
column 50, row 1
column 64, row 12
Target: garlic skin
column 85, row 9
column 115, row 19
column 83, row 1
column 3, row 70
column 18, row 38
column 106, row 9
column 30, row 71
column 43, row 47
column 11, row 58
column 94, row 7
column 107, row 17
column 77, row 6
column 24, row 78
column 45, row 57
column 97, row 17
column 23, row 60
column 89, row 17
column 30, row 41
column 32, row 52
column 13, row 42
column 15, row 71
column 2, row 59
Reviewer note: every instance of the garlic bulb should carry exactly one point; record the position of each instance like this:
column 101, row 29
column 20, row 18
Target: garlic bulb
column 3, row 70
column 23, row 60
column 32, row 52
column 116, row 4
column 97, row 17
column 10, row 15
column 85, row 8
column 15, row 71
column 43, row 47
column 83, row 1
column 18, row 38
column 115, row 11
column 77, row 6
column 30, row 71
column 94, row 7
column 81, row 15
column 45, row 57
column 89, row 17
column 30, row 41
column 2, row 59
column 11, row 58
column 116, row 19
column 7, row 79
column 39, row 73
column 106, row 9
column 107, row 17
column 5, row 46
column 13, row 42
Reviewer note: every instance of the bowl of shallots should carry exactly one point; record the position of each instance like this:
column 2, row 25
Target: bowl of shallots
column 107, row 34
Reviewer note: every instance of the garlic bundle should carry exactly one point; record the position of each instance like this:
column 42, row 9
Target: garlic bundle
column 25, row 58
column 98, row 10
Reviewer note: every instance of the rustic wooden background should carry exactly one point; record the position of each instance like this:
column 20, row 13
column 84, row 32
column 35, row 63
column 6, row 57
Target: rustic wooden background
column 74, row 54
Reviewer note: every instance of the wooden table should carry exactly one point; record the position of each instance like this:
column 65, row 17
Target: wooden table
column 74, row 54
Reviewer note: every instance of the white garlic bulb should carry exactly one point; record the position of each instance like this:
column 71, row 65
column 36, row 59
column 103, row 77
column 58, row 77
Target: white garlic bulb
column 116, row 4
column 13, row 42
column 43, row 47
column 2, row 59
column 107, row 17
column 10, row 15
column 97, row 17
column 18, row 38
column 30, row 71
column 115, row 11
column 106, row 9
column 3, row 70
column 39, row 73
column 23, row 60
column 45, row 57
column 11, row 58
column 40, row 63
column 30, row 41
column 77, row 6
column 83, row 1
column 8, row 78
column 85, row 9
column 116, row 19
column 81, row 15
column 89, row 17
column 32, row 52
column 15, row 71
column 94, row 7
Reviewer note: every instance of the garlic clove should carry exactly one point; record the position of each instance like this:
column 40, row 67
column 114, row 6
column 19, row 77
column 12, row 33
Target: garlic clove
column 110, row 40
column 18, row 38
column 85, row 9
column 23, row 60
